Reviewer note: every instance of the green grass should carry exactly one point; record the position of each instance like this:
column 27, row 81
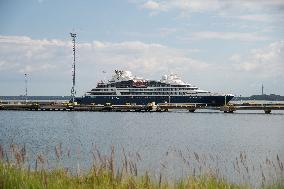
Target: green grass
column 15, row 172
column 13, row 177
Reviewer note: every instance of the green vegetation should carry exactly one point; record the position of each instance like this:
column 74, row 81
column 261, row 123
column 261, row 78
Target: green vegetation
column 12, row 177
column 15, row 173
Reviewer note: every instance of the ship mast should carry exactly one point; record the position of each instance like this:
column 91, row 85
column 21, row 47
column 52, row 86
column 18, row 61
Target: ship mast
column 73, row 92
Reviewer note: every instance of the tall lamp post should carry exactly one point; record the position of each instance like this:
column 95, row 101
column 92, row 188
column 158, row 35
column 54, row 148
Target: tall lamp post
column 73, row 92
column 26, row 88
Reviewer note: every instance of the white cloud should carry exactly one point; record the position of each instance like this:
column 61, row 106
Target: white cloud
column 167, row 31
column 49, row 61
column 52, row 59
column 242, row 9
column 255, row 17
column 192, row 5
column 23, row 54
column 205, row 5
column 240, row 36
column 266, row 62
column 255, row 5
column 140, row 57
column 26, row 52
column 152, row 5
column 24, row 40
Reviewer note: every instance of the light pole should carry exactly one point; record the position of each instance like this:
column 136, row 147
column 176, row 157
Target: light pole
column 73, row 92
column 26, row 88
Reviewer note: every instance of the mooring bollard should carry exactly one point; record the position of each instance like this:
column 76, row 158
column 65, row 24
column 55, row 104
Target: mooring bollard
column 228, row 109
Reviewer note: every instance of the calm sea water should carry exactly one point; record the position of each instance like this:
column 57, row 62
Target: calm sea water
column 167, row 142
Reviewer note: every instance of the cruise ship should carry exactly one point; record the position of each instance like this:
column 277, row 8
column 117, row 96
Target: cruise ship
column 124, row 88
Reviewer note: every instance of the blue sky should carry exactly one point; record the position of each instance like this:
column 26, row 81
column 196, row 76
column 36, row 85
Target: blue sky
column 218, row 45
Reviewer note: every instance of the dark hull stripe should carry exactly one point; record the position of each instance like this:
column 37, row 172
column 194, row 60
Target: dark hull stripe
column 144, row 100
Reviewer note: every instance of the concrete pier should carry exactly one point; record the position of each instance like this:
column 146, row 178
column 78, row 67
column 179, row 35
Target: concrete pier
column 163, row 107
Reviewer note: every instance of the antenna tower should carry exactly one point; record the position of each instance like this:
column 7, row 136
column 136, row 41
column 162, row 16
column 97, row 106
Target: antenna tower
column 73, row 92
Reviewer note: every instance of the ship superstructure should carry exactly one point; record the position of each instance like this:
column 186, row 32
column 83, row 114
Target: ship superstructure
column 124, row 88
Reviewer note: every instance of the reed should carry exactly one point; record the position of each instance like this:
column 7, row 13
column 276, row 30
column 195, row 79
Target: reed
column 105, row 172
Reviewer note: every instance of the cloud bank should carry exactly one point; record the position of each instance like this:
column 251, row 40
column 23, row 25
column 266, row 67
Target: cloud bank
column 53, row 59
column 50, row 61
column 238, row 36
column 267, row 61
column 249, row 10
